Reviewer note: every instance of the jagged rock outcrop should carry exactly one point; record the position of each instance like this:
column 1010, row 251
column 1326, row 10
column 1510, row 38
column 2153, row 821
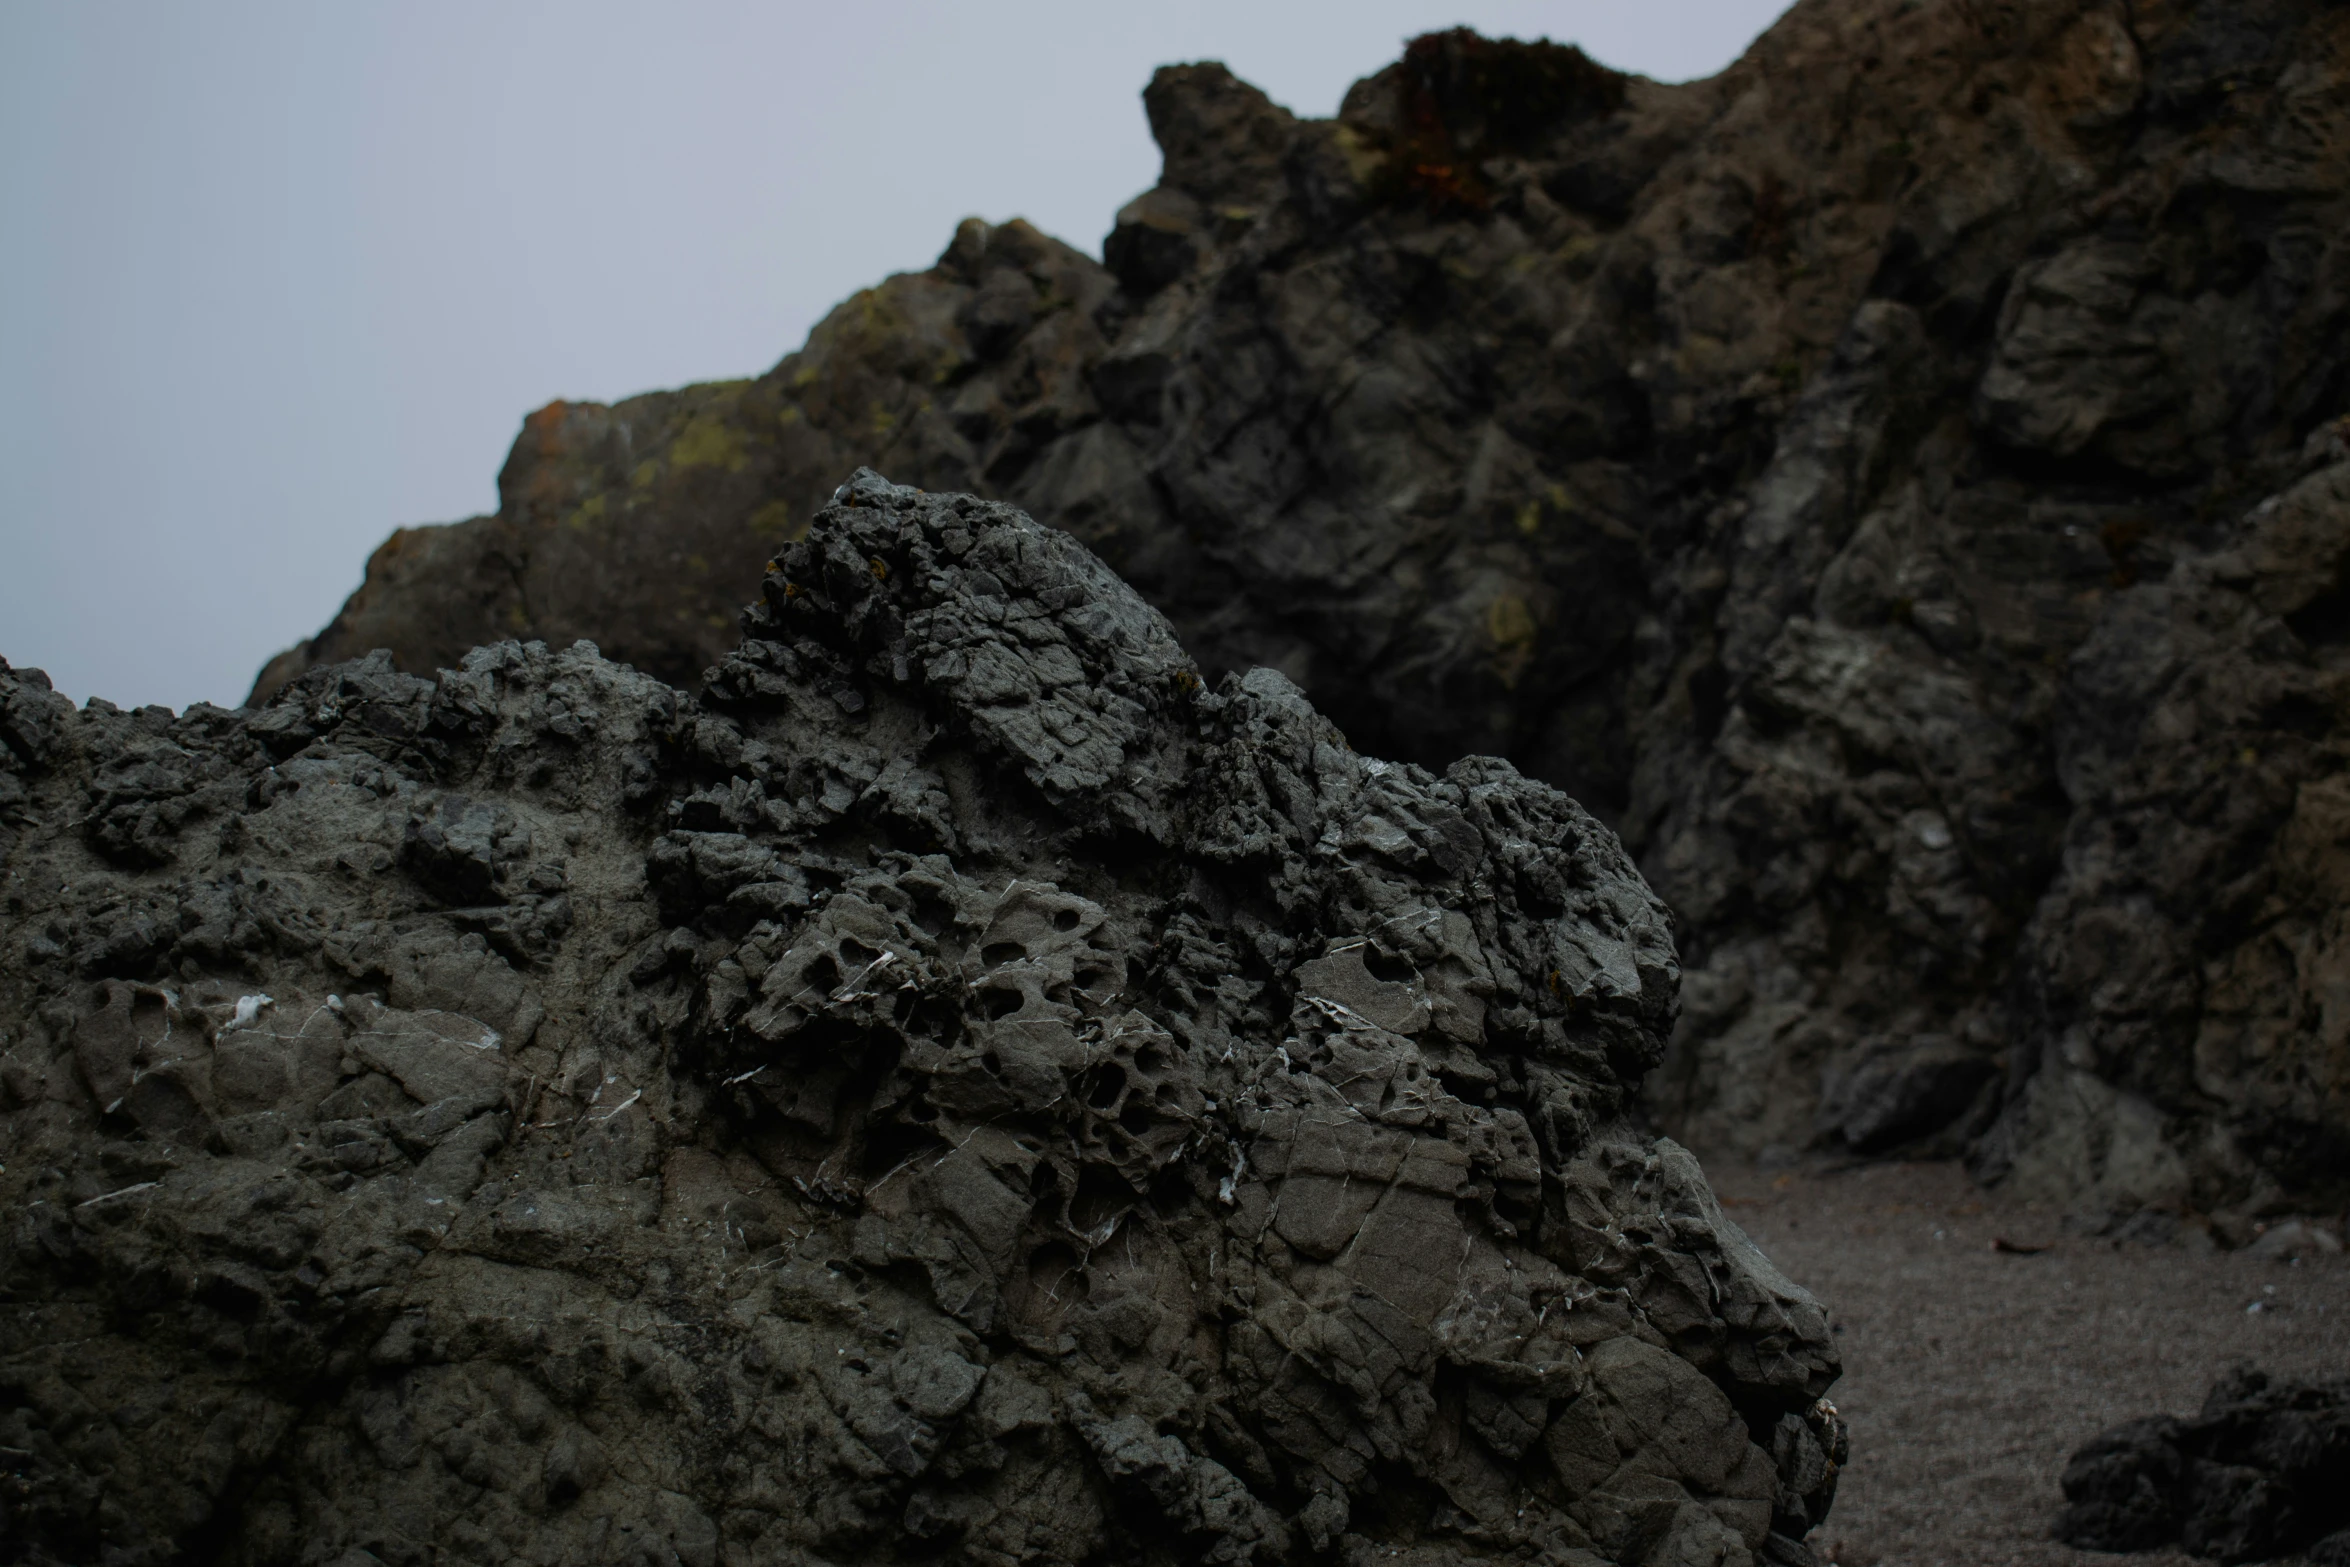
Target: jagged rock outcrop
column 1780, row 463
column 2262, row 1471
column 960, row 1089
column 2192, row 948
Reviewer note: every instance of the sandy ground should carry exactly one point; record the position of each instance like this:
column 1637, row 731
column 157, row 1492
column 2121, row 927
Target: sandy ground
column 1971, row 1374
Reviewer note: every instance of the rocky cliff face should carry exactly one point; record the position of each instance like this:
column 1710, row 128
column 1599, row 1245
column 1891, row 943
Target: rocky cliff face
column 961, row 1089
column 1891, row 481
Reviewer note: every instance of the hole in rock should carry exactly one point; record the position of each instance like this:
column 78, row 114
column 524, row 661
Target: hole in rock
column 1065, row 920
column 1055, row 1279
column 1386, row 966
column 1001, row 1001
column 1104, row 1084
column 2325, row 618
column 1147, row 1060
column 2298, row 713
column 993, row 1063
column 1102, row 1195
column 891, row 1144
column 233, row 1298
column 1136, row 1117
column 997, row 953
column 854, row 954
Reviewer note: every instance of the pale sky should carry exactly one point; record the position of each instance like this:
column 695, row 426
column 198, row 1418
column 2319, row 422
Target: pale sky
column 276, row 279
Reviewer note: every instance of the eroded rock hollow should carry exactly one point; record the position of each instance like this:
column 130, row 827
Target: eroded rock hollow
column 960, row 1088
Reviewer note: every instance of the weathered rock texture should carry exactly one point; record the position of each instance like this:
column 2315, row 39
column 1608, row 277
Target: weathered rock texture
column 1791, row 465
column 2263, row 1471
column 960, row 1089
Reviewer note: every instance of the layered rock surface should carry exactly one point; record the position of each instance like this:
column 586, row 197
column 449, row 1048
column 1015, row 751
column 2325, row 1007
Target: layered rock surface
column 1786, row 464
column 961, row 1088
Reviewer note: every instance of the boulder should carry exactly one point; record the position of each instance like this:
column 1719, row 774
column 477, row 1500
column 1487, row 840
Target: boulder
column 2263, row 1471
column 965, row 1085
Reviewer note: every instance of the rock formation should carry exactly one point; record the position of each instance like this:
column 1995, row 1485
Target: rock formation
column 1791, row 466
column 962, row 1088
column 2263, row 1471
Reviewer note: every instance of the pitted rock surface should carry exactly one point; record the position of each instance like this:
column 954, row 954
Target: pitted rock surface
column 1783, row 464
column 962, row 1088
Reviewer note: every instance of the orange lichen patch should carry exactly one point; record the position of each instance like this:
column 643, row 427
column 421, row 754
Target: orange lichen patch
column 545, row 426
column 880, row 569
column 1448, row 187
column 1186, row 682
column 791, row 590
column 391, row 549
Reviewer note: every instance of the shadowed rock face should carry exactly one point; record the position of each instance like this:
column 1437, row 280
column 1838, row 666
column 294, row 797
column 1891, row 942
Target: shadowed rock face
column 2261, row 1472
column 961, row 1088
column 1783, row 464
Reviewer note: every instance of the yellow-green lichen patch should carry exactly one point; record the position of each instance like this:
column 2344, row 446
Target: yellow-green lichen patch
column 708, row 441
column 1553, row 505
column 877, row 313
column 1509, row 621
column 589, row 513
column 646, row 472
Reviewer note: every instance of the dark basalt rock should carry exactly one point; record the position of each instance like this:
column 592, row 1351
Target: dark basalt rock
column 2263, row 1471
column 963, row 1088
column 1838, row 474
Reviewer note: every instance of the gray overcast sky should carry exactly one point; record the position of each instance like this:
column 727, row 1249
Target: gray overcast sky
column 276, row 279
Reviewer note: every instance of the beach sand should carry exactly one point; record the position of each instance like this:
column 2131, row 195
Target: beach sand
column 1971, row 1374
